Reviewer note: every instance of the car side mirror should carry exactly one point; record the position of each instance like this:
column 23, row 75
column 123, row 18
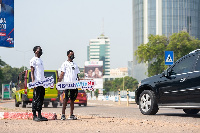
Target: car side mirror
column 165, row 74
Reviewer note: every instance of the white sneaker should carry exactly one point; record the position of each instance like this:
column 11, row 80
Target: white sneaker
column 72, row 117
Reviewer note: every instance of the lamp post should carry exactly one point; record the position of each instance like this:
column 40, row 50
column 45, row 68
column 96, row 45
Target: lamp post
column 123, row 81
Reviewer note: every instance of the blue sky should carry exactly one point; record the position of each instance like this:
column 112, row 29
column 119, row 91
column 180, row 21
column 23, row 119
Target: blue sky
column 60, row 25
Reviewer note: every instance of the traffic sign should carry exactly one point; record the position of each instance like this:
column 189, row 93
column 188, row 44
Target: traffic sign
column 169, row 57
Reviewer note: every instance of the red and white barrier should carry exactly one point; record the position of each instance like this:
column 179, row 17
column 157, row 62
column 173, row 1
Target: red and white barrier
column 25, row 115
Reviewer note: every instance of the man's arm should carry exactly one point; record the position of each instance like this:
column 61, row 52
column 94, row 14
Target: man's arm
column 61, row 76
column 32, row 73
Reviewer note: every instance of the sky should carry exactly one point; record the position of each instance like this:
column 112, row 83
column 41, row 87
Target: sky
column 60, row 25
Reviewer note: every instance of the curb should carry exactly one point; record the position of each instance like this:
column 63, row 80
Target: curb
column 25, row 115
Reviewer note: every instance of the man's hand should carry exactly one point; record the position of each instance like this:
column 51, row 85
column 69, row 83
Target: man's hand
column 61, row 76
column 32, row 73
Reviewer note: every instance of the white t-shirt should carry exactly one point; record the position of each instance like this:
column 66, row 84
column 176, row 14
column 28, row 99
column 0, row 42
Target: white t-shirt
column 70, row 70
column 37, row 63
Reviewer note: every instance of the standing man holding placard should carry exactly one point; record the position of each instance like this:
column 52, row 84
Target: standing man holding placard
column 37, row 74
column 69, row 73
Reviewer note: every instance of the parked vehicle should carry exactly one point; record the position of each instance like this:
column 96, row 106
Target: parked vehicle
column 177, row 87
column 24, row 95
column 80, row 100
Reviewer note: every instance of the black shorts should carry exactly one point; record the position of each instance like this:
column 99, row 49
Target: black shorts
column 72, row 95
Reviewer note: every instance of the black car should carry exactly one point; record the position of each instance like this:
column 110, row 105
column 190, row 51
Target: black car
column 177, row 87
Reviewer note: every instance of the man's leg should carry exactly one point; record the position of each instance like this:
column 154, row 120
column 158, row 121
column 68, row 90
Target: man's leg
column 64, row 104
column 73, row 95
column 41, row 99
column 71, row 107
column 34, row 103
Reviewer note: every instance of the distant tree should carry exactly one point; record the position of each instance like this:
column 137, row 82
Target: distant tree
column 7, row 74
column 129, row 83
column 11, row 74
column 2, row 63
column 96, row 92
column 117, row 84
column 153, row 51
column 107, row 85
column 182, row 43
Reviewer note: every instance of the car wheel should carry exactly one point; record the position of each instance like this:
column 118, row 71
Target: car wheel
column 147, row 103
column 79, row 104
column 46, row 104
column 16, row 103
column 85, row 104
column 191, row 111
column 60, row 104
column 55, row 104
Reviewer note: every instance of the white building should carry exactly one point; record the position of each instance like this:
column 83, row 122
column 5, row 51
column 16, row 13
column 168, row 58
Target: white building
column 119, row 72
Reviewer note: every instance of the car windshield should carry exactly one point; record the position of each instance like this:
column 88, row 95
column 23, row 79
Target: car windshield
column 46, row 74
column 81, row 91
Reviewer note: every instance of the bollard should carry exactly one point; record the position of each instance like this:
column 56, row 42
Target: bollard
column 127, row 98
column 119, row 100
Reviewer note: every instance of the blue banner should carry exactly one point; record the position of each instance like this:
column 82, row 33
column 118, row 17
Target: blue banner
column 7, row 23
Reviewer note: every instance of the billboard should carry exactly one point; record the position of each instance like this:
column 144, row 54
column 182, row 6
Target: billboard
column 6, row 91
column 7, row 23
column 94, row 70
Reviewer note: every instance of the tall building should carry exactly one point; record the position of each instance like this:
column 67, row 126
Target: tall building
column 162, row 17
column 99, row 50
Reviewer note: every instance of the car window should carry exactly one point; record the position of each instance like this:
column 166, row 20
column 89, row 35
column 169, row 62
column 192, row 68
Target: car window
column 46, row 74
column 197, row 67
column 21, row 81
column 184, row 65
column 81, row 91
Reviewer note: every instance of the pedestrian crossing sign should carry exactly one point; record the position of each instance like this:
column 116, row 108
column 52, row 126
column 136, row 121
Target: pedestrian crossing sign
column 169, row 57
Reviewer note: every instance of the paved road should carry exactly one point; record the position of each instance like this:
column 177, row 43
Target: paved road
column 122, row 118
column 106, row 109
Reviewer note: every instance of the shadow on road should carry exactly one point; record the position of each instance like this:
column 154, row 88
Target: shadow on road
column 181, row 115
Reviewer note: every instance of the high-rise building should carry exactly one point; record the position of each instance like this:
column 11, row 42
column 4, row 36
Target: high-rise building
column 99, row 50
column 162, row 17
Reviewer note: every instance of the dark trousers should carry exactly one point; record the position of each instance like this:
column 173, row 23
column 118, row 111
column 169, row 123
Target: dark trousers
column 38, row 98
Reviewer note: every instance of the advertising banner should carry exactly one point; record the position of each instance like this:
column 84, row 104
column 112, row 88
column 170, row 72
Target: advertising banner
column 94, row 70
column 7, row 23
column 6, row 91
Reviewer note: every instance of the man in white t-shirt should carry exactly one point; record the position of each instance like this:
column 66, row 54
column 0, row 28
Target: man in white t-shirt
column 37, row 74
column 69, row 73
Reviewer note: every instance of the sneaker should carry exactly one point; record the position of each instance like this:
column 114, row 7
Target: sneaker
column 72, row 117
column 42, row 118
column 35, row 118
column 63, row 117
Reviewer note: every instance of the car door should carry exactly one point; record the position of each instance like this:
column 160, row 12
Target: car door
column 193, row 86
column 172, row 87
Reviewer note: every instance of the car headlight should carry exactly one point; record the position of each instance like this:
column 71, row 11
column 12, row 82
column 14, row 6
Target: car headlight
column 139, row 84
